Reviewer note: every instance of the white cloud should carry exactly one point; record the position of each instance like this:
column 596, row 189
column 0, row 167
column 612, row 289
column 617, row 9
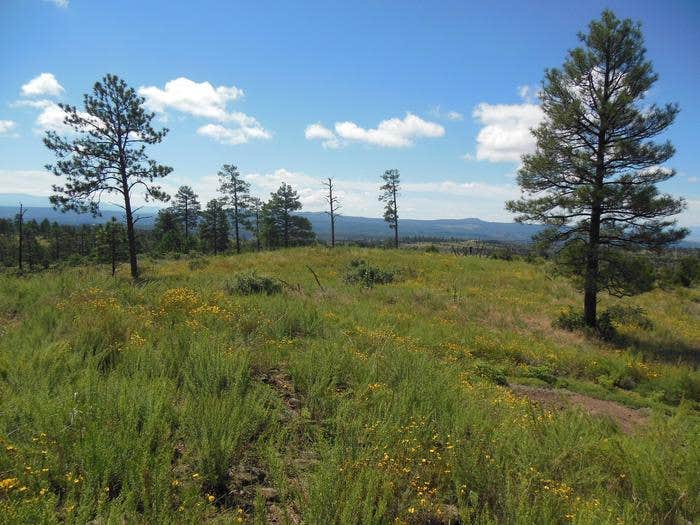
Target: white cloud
column 45, row 84
column 51, row 118
column 31, row 182
column 693, row 179
column 454, row 115
column 391, row 133
column 423, row 200
column 319, row 132
column 232, row 136
column 201, row 99
column 506, row 134
column 58, row 3
column 6, row 126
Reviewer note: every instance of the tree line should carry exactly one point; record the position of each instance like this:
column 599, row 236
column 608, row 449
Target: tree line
column 105, row 155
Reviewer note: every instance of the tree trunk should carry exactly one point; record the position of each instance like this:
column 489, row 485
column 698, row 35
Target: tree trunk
column 332, row 231
column 396, row 220
column 187, row 229
column 590, row 297
column 235, row 220
column 130, row 234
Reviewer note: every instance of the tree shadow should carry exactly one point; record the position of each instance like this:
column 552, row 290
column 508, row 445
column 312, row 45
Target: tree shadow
column 674, row 351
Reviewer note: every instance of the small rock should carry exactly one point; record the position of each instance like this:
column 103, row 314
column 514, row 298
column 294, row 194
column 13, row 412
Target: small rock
column 268, row 493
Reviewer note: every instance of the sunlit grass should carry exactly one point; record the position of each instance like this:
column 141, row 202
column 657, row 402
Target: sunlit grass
column 382, row 405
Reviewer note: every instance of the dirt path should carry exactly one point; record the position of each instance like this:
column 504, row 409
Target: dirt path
column 626, row 418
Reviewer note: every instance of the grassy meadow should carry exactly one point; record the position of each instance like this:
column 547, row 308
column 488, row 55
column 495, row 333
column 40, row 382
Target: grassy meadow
column 180, row 400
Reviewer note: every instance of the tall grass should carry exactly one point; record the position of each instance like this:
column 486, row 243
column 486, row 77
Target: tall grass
column 177, row 401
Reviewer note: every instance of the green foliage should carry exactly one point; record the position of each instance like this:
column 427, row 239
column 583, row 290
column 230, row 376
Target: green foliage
column 252, row 283
column 620, row 272
column 279, row 226
column 609, row 319
column 187, row 210
column 593, row 177
column 236, row 195
column 362, row 273
column 105, row 154
column 388, row 194
column 169, row 237
column 214, row 228
column 493, row 373
column 682, row 271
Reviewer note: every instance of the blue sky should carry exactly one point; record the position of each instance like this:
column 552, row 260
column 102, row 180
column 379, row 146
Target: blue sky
column 302, row 91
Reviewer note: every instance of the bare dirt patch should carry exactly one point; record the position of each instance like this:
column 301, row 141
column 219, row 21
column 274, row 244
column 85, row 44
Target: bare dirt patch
column 627, row 419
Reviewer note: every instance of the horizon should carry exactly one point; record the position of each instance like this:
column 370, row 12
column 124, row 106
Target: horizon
column 336, row 96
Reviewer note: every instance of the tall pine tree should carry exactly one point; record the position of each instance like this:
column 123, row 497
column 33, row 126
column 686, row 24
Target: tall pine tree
column 107, row 154
column 236, row 193
column 593, row 175
column 389, row 191
column 214, row 228
column 185, row 205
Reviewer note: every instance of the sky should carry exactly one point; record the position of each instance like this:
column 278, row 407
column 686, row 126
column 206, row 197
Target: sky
column 301, row 91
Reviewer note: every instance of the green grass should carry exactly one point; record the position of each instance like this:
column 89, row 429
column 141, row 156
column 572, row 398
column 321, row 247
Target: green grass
column 180, row 400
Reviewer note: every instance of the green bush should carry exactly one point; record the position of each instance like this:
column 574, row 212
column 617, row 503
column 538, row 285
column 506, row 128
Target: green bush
column 364, row 274
column 252, row 283
column 492, row 372
column 608, row 319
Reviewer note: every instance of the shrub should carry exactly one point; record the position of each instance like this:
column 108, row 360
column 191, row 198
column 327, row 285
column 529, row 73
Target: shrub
column 491, row 372
column 252, row 283
column 362, row 273
column 432, row 249
column 608, row 320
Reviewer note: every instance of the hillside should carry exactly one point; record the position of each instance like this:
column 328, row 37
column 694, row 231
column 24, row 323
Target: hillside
column 444, row 396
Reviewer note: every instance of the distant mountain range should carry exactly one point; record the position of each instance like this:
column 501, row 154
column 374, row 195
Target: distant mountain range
column 347, row 227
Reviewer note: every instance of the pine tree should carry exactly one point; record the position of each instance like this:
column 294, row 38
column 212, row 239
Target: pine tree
column 107, row 155
column 111, row 245
column 254, row 219
column 236, row 193
column 593, row 176
column 389, row 191
column 280, row 226
column 214, row 228
column 167, row 231
column 187, row 209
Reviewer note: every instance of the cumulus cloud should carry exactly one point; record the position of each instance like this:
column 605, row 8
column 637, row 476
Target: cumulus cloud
column 319, row 132
column 202, row 99
column 6, row 126
column 506, row 135
column 43, row 85
column 232, row 136
column 390, row 133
